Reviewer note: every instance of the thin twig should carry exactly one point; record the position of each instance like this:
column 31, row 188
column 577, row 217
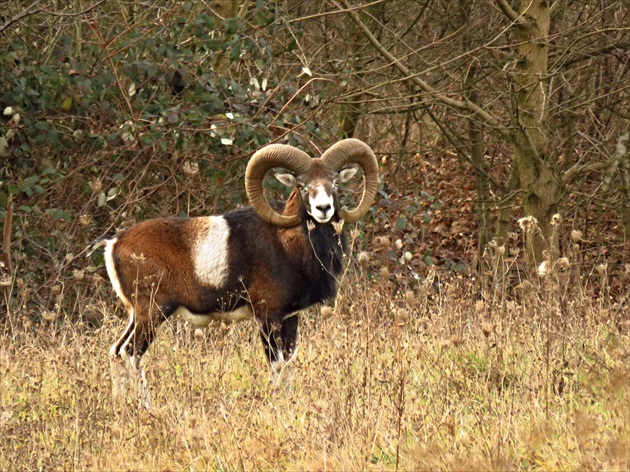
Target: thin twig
column 26, row 13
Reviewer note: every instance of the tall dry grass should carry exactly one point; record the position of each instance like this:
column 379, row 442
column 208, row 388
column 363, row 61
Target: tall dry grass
column 388, row 379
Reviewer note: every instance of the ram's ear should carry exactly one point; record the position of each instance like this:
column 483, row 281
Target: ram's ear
column 346, row 174
column 286, row 179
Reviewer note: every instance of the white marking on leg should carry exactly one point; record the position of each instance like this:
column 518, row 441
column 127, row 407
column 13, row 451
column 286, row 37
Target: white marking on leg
column 113, row 351
column 123, row 352
column 210, row 250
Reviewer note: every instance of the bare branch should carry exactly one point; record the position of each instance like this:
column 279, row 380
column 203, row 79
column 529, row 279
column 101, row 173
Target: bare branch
column 335, row 12
column 607, row 167
column 464, row 105
column 510, row 13
column 28, row 12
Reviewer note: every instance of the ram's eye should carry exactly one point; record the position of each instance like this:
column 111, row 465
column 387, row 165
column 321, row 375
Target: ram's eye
column 335, row 183
column 300, row 187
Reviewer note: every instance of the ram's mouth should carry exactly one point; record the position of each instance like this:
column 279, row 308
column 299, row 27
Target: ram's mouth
column 322, row 217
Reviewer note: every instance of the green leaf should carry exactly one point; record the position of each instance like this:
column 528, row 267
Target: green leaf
column 401, row 223
column 42, row 125
column 235, row 53
column 66, row 105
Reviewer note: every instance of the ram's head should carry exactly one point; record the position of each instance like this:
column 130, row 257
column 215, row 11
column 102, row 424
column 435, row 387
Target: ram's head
column 315, row 179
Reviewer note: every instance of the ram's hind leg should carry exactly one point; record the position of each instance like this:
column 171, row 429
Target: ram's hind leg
column 118, row 366
column 126, row 354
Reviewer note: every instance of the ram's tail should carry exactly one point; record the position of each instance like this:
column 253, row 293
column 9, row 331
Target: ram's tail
column 94, row 245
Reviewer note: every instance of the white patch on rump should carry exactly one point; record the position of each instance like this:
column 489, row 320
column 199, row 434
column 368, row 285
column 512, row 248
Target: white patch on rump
column 113, row 276
column 210, row 250
column 205, row 319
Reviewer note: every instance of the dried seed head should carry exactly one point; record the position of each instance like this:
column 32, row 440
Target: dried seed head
column 563, row 264
column 384, row 242
column 85, row 219
column 602, row 268
column 576, row 236
column 48, row 315
column 398, row 244
column 338, row 226
column 78, row 274
column 96, row 185
column 69, row 257
column 556, row 219
column 199, row 333
column 191, row 168
column 384, row 272
column 493, row 244
column 528, row 224
column 456, row 340
column 364, row 259
column 410, row 297
column 543, row 268
column 326, row 312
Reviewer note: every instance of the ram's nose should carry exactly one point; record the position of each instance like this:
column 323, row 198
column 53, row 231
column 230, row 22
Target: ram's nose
column 325, row 209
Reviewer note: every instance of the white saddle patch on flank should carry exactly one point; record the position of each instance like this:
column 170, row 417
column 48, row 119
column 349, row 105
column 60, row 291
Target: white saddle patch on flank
column 217, row 317
column 210, row 250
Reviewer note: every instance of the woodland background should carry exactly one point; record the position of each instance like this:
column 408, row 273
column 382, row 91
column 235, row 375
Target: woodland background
column 482, row 113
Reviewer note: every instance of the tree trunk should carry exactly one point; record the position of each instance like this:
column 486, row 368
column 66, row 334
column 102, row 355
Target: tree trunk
column 536, row 166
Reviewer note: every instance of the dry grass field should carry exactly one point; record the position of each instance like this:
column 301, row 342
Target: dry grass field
column 387, row 380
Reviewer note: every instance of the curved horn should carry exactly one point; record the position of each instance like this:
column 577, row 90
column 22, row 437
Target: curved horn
column 354, row 151
column 265, row 159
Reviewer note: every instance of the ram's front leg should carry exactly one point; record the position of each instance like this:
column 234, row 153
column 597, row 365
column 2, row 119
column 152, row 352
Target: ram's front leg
column 280, row 344
column 289, row 338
